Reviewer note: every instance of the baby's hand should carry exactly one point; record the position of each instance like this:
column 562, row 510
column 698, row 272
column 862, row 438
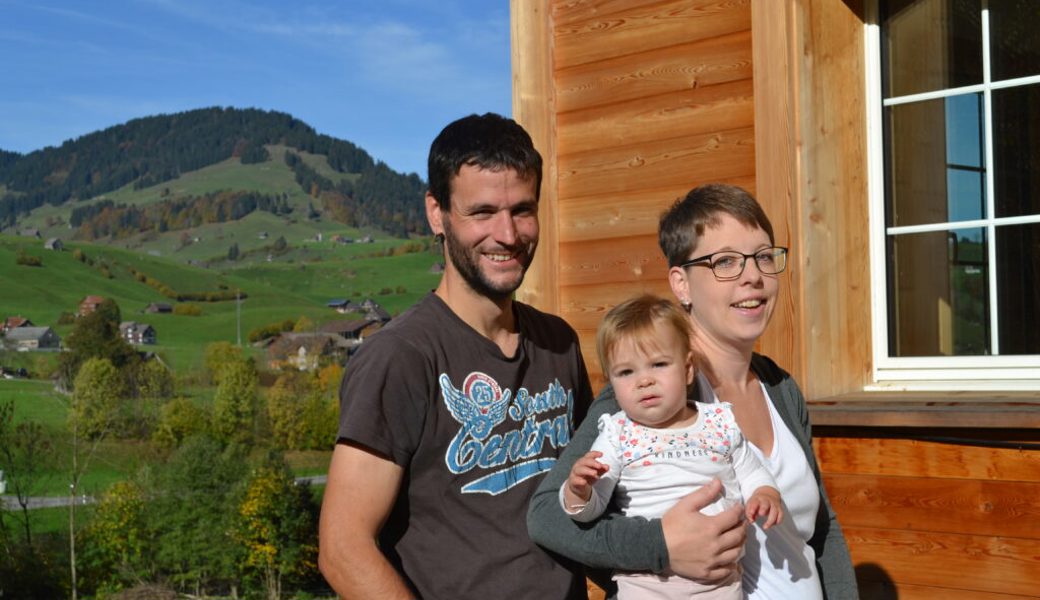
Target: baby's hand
column 765, row 502
column 585, row 472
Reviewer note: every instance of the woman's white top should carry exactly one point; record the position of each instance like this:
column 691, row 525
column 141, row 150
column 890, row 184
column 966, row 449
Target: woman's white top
column 779, row 564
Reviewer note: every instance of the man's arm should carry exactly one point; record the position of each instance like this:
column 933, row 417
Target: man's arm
column 360, row 493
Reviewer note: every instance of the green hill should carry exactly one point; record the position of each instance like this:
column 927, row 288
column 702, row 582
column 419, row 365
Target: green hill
column 171, row 173
column 395, row 273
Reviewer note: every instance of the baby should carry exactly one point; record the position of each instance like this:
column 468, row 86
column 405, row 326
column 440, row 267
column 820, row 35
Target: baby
column 661, row 446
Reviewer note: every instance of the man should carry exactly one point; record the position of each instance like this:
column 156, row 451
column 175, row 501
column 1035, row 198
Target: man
column 452, row 414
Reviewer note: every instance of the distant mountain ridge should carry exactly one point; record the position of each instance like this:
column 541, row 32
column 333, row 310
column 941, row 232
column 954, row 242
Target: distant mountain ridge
column 154, row 150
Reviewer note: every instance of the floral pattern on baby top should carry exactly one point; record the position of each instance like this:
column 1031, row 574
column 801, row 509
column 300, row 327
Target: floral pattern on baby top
column 713, row 435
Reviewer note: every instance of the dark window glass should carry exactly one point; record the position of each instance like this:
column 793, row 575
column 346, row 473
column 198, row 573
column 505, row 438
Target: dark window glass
column 935, row 167
column 929, row 45
column 938, row 304
column 1016, row 150
column 1018, row 288
column 1014, row 43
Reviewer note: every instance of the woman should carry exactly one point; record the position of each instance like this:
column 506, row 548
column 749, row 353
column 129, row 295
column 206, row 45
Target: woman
column 723, row 269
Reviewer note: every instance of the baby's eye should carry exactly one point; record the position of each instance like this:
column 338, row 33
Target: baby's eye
column 623, row 373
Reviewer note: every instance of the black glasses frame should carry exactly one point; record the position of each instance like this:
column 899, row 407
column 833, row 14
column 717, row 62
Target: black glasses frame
column 706, row 261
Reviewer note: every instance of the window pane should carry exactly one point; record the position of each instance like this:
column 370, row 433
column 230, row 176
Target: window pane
column 1016, row 150
column 935, row 170
column 929, row 45
column 1018, row 288
column 1015, row 45
column 938, row 305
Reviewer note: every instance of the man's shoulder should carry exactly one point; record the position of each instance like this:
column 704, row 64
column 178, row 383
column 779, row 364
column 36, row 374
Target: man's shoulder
column 533, row 321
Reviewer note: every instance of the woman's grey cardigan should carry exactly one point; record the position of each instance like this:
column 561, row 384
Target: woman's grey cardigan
column 635, row 544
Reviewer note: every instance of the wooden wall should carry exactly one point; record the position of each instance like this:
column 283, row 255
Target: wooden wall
column 634, row 102
column 649, row 100
column 937, row 513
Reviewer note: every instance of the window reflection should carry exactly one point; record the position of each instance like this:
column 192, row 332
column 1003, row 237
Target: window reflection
column 1015, row 45
column 935, row 168
column 938, row 300
column 1016, row 150
column 930, row 45
column 1018, row 288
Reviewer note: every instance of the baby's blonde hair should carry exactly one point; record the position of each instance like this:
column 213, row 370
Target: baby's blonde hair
column 635, row 319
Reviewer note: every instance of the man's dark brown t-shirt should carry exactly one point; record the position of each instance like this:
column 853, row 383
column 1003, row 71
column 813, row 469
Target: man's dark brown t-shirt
column 475, row 432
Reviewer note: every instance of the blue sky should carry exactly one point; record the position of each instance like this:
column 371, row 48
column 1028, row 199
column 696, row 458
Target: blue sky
column 384, row 74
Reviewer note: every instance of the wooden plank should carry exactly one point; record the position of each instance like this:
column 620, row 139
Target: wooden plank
column 721, row 155
column 627, row 213
column 971, row 506
column 534, row 108
column 684, row 67
column 777, row 173
column 583, row 35
column 912, row 410
column 972, row 563
column 916, row 458
column 687, row 112
column 583, row 306
column 886, row 590
column 618, row 261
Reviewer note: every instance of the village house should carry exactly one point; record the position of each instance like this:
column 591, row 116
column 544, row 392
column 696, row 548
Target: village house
column 54, row 244
column 158, row 307
column 13, row 322
column 343, row 306
column 894, row 146
column 353, row 331
column 32, row 338
column 89, row 305
column 374, row 312
column 306, row 351
column 137, row 333
column 31, row 232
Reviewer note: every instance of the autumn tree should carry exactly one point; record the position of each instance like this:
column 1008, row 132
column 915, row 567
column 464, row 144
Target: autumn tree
column 276, row 523
column 234, row 403
column 25, row 455
column 117, row 538
column 179, row 419
column 95, row 335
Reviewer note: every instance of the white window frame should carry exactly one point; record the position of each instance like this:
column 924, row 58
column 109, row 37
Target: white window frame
column 1018, row 372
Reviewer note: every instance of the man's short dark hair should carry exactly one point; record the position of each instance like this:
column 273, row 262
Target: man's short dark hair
column 683, row 224
column 487, row 141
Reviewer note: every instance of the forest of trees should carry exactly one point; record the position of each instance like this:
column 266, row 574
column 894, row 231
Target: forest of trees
column 151, row 150
column 105, row 218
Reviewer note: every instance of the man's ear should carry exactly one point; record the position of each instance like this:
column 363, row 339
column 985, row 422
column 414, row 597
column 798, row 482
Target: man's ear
column 434, row 214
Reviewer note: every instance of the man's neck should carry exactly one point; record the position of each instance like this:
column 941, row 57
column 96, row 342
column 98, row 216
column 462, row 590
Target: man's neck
column 493, row 319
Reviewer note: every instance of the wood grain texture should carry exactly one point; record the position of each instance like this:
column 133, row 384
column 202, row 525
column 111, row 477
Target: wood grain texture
column 622, row 260
column 534, row 109
column 685, row 67
column 970, row 506
column 987, row 564
column 624, row 214
column 583, row 306
column 917, row 458
column 594, row 31
column 885, row 590
column 672, row 162
column 677, row 114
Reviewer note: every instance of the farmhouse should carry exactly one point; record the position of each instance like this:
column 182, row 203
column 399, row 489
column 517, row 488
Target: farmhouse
column 895, row 147
column 13, row 322
column 32, row 338
column 306, row 351
column 158, row 307
column 89, row 305
column 343, row 306
column 352, row 331
column 54, row 244
column 137, row 333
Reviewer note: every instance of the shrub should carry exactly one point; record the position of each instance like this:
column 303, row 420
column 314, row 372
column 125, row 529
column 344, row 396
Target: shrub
column 187, row 309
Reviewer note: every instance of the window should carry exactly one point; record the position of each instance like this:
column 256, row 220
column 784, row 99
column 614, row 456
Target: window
column 955, row 191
